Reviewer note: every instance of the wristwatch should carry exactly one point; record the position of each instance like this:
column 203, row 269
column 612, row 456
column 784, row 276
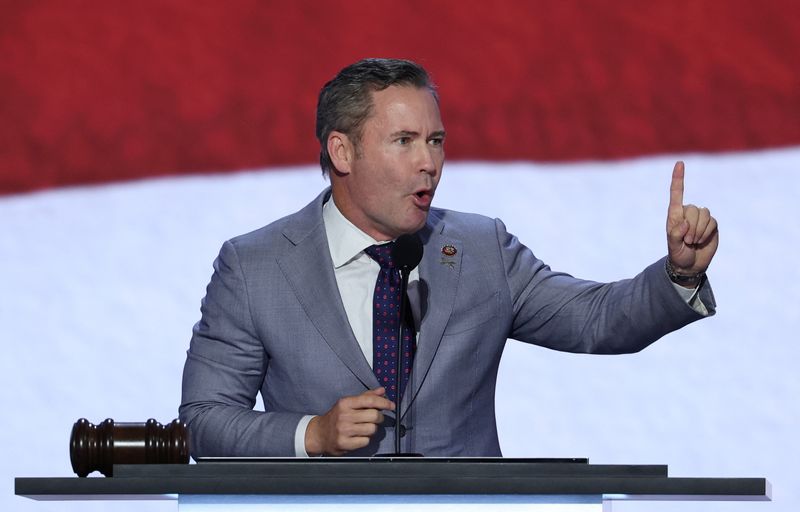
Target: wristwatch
column 683, row 279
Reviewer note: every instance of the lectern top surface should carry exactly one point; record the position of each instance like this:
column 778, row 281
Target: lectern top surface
column 471, row 460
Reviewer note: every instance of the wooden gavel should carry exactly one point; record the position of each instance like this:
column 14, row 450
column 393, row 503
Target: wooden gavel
column 100, row 447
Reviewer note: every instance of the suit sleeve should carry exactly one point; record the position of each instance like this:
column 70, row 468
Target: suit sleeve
column 224, row 370
column 558, row 311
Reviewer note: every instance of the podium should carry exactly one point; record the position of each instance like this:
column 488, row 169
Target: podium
column 387, row 484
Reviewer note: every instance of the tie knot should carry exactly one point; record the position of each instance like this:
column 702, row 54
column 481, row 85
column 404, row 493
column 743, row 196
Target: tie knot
column 382, row 254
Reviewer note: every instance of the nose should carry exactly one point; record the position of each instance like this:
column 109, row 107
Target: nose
column 427, row 161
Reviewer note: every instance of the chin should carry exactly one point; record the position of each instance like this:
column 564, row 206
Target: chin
column 413, row 228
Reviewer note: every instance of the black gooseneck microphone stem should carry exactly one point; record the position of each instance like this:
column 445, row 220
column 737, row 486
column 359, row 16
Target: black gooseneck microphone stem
column 404, row 273
column 407, row 254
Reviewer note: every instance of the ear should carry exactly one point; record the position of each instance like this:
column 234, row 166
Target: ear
column 342, row 151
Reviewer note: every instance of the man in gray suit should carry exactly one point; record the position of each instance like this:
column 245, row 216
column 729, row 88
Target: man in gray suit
column 289, row 310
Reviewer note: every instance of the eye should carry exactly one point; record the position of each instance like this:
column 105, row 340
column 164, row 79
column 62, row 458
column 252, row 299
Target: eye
column 404, row 141
column 436, row 141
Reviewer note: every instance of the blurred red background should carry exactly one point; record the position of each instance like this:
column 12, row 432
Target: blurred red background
column 96, row 91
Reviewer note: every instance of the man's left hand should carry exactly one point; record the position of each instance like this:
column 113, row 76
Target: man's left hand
column 692, row 235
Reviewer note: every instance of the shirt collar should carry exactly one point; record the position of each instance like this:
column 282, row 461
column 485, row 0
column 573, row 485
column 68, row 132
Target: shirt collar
column 345, row 240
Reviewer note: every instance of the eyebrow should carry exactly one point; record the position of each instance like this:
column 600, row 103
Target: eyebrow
column 408, row 133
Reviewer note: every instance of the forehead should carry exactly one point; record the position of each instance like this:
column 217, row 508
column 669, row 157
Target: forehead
column 415, row 107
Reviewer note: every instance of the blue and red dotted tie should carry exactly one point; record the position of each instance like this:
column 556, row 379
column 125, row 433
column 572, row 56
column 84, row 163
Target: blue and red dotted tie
column 385, row 319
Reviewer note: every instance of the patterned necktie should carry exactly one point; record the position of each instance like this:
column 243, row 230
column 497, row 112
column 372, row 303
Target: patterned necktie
column 385, row 319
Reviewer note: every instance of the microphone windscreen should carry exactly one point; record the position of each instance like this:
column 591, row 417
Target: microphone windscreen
column 407, row 251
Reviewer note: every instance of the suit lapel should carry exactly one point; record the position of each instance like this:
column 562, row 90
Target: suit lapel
column 308, row 268
column 439, row 273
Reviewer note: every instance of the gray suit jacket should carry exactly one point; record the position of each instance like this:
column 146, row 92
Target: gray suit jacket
column 273, row 321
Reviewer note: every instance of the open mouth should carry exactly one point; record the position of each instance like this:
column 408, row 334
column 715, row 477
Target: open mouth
column 423, row 198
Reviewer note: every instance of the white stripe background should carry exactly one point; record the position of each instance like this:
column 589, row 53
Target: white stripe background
column 99, row 288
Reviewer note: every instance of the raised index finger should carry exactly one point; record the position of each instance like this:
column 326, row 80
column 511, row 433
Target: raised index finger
column 676, row 192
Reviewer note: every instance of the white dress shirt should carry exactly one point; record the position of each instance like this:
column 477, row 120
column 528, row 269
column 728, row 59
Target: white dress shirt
column 355, row 272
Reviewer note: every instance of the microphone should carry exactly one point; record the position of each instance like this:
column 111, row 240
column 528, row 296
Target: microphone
column 406, row 254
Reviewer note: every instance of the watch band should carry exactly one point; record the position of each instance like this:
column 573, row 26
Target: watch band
column 683, row 278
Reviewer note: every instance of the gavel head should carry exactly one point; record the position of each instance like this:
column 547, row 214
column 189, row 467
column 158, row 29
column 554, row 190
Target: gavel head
column 100, row 447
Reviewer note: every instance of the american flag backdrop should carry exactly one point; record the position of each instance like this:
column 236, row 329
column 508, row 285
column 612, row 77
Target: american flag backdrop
column 135, row 137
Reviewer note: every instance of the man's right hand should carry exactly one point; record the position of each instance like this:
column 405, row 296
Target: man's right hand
column 348, row 425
